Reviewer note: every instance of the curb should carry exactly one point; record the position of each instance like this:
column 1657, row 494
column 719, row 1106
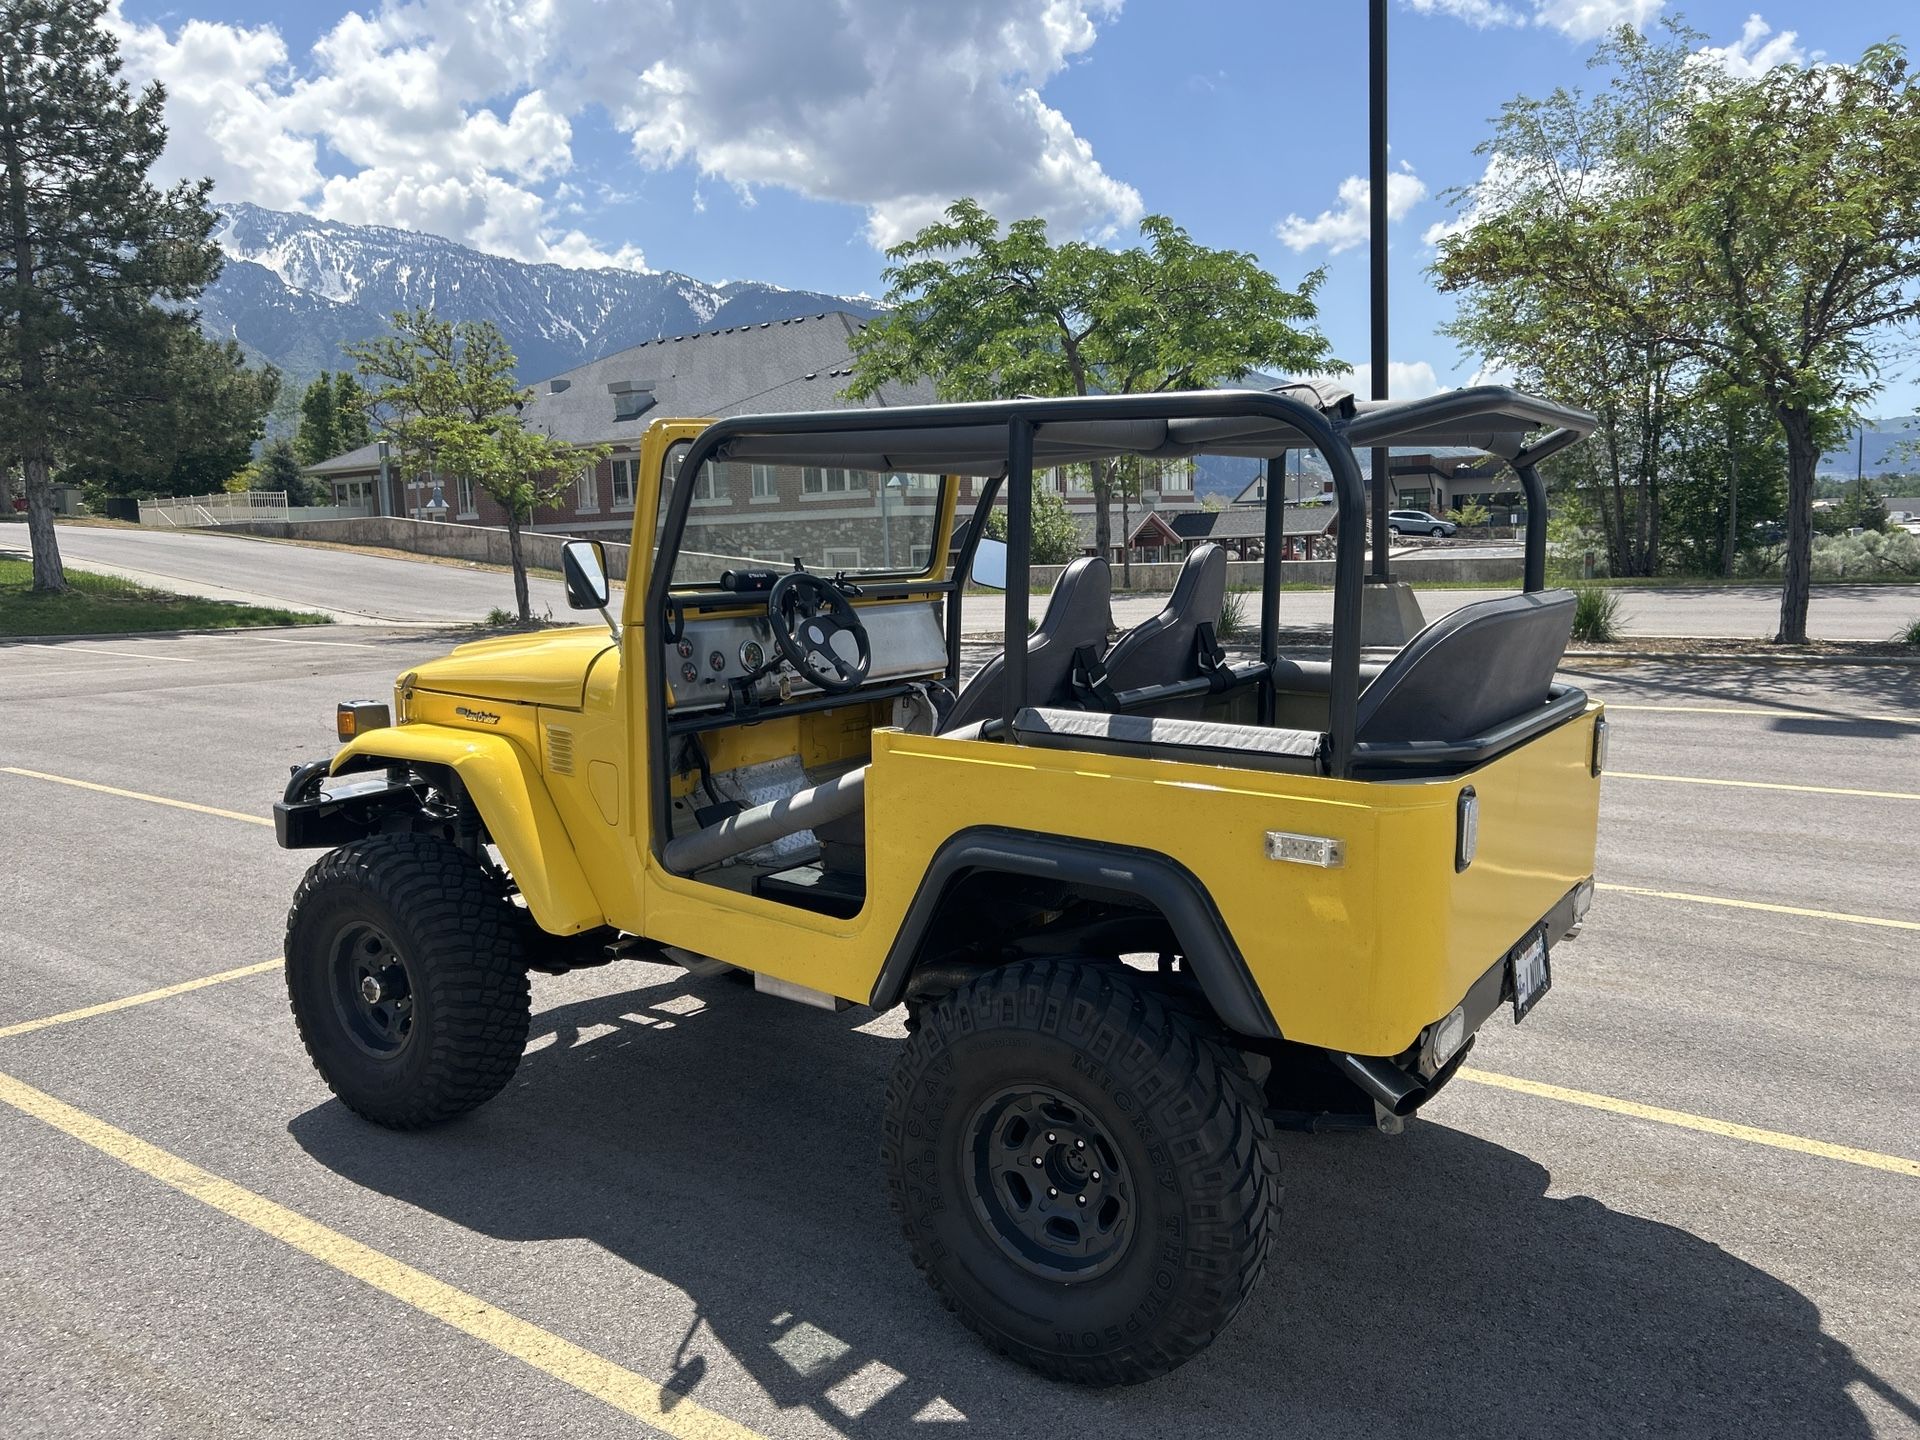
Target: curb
column 333, row 628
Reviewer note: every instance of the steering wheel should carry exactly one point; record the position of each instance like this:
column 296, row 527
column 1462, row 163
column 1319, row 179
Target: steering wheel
column 807, row 615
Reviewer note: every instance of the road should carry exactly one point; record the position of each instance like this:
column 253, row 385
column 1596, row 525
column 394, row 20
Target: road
column 674, row 1211
column 360, row 588
column 354, row 588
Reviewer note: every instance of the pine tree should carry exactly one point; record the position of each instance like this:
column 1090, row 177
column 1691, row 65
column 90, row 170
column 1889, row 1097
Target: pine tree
column 279, row 469
column 87, row 245
column 319, row 435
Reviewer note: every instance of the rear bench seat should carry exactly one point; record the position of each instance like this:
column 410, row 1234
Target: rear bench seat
column 1149, row 737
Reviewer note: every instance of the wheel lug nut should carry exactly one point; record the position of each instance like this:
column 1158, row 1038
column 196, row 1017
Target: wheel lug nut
column 1037, row 1162
column 1052, row 1194
column 1079, row 1144
column 1079, row 1199
column 1050, row 1137
column 1096, row 1174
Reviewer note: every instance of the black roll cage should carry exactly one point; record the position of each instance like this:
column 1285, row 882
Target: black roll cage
column 1495, row 419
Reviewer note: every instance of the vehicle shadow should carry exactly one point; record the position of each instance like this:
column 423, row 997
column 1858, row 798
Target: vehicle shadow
column 1427, row 1285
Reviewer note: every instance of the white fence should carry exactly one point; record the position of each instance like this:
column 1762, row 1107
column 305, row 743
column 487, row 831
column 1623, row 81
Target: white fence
column 184, row 511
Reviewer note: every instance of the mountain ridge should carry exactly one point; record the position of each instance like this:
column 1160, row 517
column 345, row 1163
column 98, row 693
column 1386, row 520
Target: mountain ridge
column 295, row 290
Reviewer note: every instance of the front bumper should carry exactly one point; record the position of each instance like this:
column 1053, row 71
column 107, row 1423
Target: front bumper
column 308, row 818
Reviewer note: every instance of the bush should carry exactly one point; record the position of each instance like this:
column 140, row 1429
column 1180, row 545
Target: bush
column 1596, row 615
column 1233, row 616
column 500, row 619
column 1910, row 635
column 1471, row 515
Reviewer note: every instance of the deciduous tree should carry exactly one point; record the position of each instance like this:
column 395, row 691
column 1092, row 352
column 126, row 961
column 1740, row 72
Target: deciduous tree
column 444, row 394
column 987, row 312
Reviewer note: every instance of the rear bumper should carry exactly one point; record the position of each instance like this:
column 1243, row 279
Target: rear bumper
column 1407, row 1081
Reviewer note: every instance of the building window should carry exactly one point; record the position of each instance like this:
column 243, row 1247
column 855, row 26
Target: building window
column 845, row 557
column 463, row 487
column 814, row 481
column 765, row 485
column 587, row 495
column 623, row 473
column 1177, row 478
column 706, row 485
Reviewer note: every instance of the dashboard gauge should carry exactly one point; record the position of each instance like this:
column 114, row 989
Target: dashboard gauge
column 685, row 647
column 689, row 672
column 752, row 657
column 718, row 661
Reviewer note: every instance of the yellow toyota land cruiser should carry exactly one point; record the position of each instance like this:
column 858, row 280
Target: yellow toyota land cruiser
column 1142, row 900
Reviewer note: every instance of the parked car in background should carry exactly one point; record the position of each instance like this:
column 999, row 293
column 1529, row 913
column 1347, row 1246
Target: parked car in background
column 1418, row 522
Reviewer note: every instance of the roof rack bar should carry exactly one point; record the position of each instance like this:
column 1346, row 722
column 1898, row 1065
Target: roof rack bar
column 1019, row 560
column 1536, row 562
column 1271, row 547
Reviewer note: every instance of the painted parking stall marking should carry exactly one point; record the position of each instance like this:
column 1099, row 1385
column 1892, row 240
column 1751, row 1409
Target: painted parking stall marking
column 667, row 1412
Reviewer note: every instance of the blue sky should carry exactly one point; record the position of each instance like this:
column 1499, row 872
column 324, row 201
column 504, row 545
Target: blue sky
column 786, row 140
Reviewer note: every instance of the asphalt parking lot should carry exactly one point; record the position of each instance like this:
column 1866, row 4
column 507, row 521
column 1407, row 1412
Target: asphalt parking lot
column 1680, row 1199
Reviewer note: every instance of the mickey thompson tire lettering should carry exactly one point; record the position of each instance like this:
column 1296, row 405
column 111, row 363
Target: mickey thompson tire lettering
column 1188, row 1127
column 457, row 956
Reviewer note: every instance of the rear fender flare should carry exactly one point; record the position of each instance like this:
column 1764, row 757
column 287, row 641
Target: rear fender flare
column 1157, row 879
column 520, row 816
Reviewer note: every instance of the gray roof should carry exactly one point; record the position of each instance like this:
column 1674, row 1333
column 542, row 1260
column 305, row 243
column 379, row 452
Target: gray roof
column 776, row 366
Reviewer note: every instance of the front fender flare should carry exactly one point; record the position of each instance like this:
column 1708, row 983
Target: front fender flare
column 1159, row 880
column 513, row 802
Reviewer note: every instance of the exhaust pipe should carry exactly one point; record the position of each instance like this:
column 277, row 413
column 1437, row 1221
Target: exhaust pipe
column 1390, row 1087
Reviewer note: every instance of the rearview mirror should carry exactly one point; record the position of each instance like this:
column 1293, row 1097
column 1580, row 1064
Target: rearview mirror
column 990, row 564
column 584, row 564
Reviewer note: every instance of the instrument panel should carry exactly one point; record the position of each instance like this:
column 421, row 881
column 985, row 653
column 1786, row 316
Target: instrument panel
column 905, row 636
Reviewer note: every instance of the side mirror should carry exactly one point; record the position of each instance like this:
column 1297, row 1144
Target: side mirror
column 584, row 564
column 990, row 564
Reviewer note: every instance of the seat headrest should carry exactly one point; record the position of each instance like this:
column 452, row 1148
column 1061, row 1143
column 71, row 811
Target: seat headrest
column 1081, row 603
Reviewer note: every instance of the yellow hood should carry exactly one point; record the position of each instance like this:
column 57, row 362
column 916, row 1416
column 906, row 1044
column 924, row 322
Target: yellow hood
column 547, row 668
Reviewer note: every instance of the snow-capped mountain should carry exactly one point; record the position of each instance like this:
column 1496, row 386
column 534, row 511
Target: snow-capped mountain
column 295, row 289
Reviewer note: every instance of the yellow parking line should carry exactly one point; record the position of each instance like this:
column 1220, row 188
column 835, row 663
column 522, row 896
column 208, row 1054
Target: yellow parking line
column 1769, row 712
column 1765, row 785
column 27, row 1027
column 134, row 795
column 1779, row 1140
column 667, row 1412
column 1841, row 915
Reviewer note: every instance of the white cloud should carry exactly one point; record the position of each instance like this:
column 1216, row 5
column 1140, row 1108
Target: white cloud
column 1346, row 224
column 1478, row 13
column 1590, row 19
column 1757, row 51
column 459, row 115
column 1406, row 380
column 1576, row 19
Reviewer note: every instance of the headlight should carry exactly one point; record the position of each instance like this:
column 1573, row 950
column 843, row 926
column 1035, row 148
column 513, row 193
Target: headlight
column 1466, row 830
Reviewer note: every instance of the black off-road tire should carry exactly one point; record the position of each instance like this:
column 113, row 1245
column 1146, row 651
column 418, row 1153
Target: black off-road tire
column 1174, row 1105
column 457, row 946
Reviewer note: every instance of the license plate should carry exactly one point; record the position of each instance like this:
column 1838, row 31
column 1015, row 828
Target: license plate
column 1532, row 974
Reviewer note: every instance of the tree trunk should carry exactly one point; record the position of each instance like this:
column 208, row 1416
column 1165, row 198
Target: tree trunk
column 1796, row 583
column 520, row 597
column 1733, row 496
column 1102, row 472
column 49, row 575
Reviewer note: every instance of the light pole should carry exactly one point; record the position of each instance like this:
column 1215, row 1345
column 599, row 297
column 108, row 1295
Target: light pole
column 894, row 482
column 383, row 502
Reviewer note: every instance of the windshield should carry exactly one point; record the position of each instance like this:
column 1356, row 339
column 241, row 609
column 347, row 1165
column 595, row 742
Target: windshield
column 830, row 520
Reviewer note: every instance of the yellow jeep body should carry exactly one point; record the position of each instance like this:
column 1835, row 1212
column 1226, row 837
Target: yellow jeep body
column 548, row 735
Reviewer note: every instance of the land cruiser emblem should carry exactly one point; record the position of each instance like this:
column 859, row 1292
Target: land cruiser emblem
column 479, row 717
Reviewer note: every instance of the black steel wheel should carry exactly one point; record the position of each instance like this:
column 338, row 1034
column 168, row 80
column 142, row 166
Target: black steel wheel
column 1049, row 1184
column 406, row 973
column 1085, row 1175
column 372, row 990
